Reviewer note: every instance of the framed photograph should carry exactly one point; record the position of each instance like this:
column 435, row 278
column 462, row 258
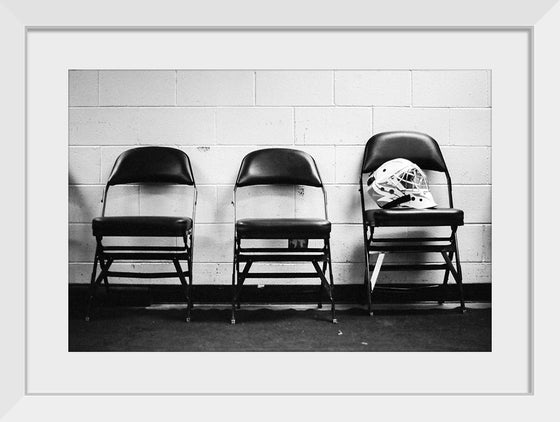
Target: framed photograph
column 80, row 89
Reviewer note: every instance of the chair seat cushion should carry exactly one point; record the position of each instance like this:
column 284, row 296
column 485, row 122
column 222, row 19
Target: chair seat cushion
column 141, row 226
column 283, row 228
column 399, row 217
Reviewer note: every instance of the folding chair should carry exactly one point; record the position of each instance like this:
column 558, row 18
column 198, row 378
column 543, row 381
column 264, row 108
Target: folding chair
column 280, row 166
column 424, row 151
column 151, row 166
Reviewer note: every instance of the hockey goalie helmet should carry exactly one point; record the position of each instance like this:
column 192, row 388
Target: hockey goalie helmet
column 399, row 183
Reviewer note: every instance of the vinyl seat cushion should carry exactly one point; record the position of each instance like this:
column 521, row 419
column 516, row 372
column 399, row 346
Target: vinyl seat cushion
column 141, row 226
column 400, row 217
column 283, row 228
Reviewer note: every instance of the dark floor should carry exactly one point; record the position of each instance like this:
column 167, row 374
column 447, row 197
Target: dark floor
column 282, row 329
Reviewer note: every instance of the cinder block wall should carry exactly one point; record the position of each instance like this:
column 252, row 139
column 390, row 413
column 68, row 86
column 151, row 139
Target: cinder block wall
column 217, row 117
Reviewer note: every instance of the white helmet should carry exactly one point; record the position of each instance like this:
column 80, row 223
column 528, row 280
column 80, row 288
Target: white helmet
column 400, row 183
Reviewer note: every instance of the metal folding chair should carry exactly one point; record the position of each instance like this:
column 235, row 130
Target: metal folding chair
column 424, row 151
column 279, row 166
column 152, row 166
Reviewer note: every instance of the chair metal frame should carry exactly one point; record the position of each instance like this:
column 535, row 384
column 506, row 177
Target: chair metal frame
column 106, row 255
column 447, row 246
column 252, row 255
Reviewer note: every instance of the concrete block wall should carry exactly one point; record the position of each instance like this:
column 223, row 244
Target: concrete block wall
column 217, row 117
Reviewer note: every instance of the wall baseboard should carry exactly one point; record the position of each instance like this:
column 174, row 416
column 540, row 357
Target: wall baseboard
column 142, row 295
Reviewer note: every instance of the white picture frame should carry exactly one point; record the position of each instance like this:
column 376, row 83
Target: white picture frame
column 540, row 20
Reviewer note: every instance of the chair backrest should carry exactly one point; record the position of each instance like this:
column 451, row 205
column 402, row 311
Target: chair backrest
column 417, row 147
column 278, row 166
column 421, row 149
column 152, row 165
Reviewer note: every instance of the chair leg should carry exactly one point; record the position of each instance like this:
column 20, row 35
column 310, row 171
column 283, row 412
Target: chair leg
column 106, row 282
column 238, row 284
column 367, row 280
column 186, row 289
column 240, row 280
column 320, row 297
column 367, row 285
column 326, row 285
column 329, row 286
column 96, row 282
column 460, row 276
column 92, row 288
column 444, row 284
column 190, row 267
column 106, row 264
column 334, row 320
column 233, row 287
column 457, row 275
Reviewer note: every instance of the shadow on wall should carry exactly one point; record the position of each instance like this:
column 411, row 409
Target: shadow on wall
column 73, row 201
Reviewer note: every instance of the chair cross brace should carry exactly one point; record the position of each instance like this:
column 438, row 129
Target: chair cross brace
column 105, row 259
column 290, row 255
column 446, row 246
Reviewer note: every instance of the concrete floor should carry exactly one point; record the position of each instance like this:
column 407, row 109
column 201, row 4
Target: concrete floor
column 394, row 328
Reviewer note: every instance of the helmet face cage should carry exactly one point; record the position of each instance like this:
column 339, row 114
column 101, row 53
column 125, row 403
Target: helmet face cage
column 400, row 183
column 412, row 178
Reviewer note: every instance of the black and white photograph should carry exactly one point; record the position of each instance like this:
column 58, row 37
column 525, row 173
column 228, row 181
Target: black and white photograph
column 276, row 211
column 294, row 210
